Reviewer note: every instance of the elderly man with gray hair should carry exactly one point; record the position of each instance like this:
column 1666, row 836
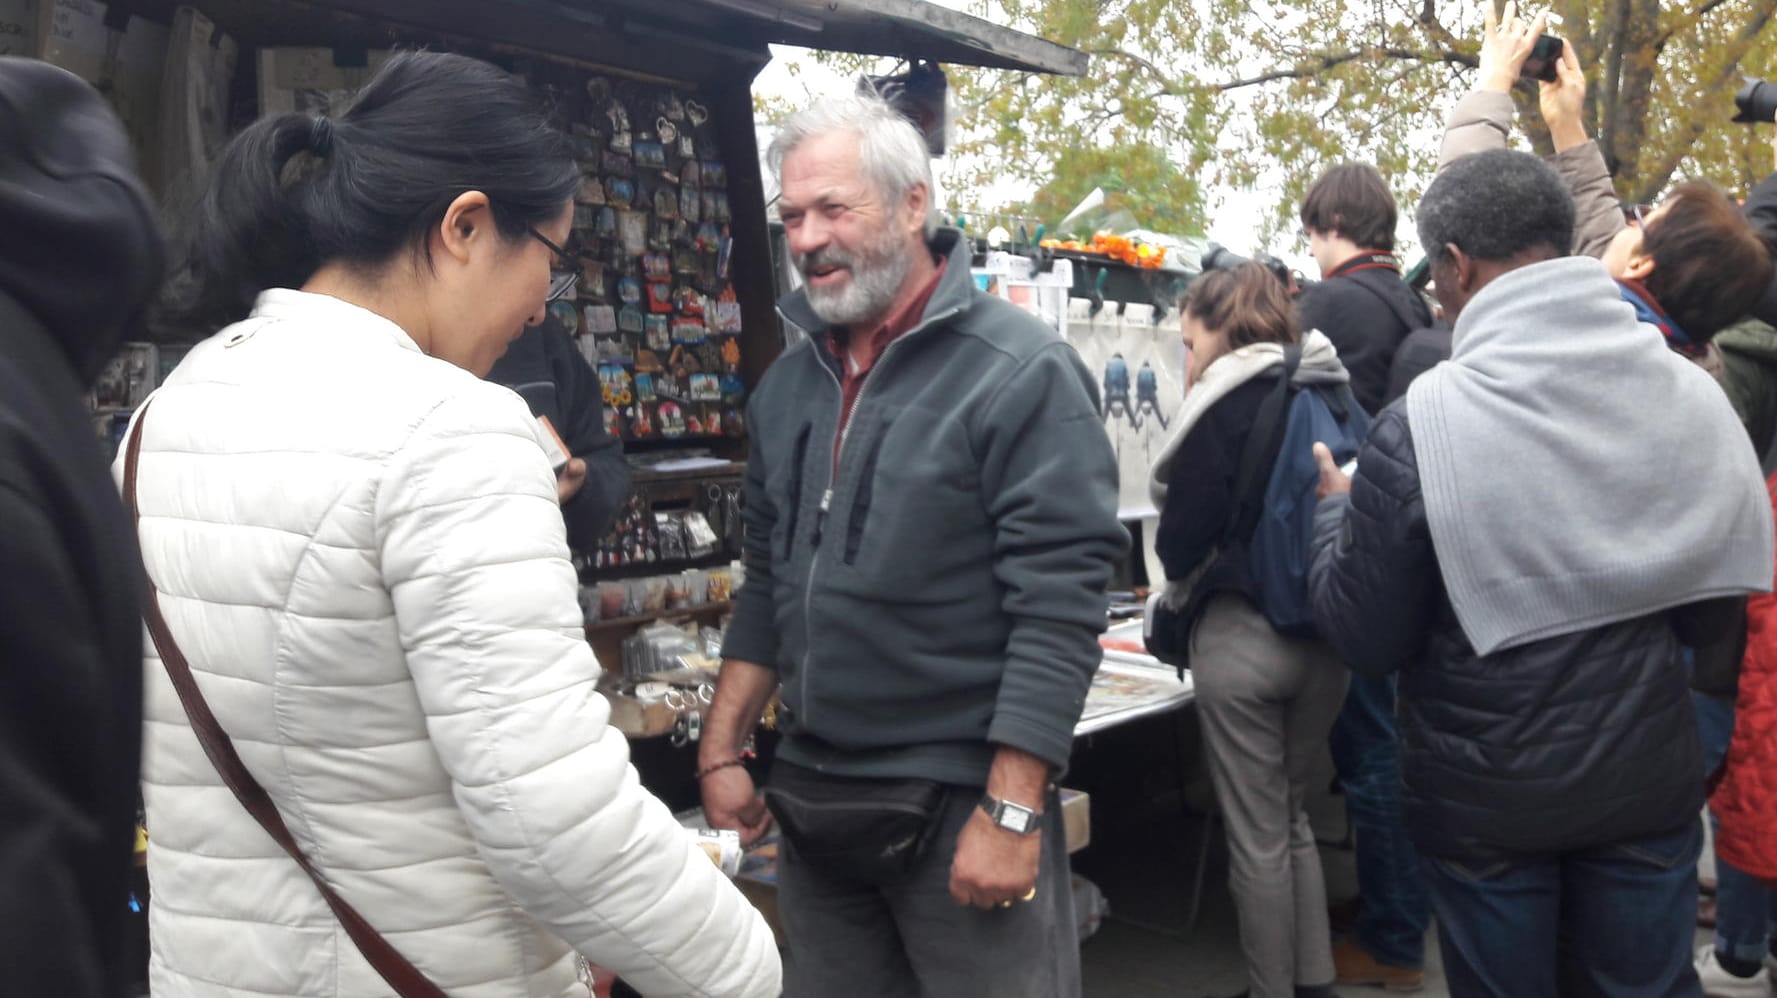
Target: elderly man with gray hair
column 931, row 521
column 1534, row 537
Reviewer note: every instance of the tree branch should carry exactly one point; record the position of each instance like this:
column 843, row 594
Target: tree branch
column 1322, row 63
column 1688, row 19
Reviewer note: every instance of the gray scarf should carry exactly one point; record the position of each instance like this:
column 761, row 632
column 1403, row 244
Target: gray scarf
column 1576, row 472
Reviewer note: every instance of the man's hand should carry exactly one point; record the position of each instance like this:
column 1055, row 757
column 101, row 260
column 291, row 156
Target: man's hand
column 731, row 801
column 569, row 479
column 994, row 866
column 1505, row 43
column 1332, row 480
column 1564, row 101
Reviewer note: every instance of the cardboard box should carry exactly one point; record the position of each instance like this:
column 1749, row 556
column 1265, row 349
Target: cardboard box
column 18, row 28
column 313, row 80
column 121, row 55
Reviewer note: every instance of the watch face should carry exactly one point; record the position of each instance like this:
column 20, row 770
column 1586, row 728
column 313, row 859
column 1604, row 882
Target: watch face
column 1015, row 819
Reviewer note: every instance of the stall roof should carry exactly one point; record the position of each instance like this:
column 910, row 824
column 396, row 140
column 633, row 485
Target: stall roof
column 908, row 28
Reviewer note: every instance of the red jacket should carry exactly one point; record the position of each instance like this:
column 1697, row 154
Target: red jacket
column 1746, row 799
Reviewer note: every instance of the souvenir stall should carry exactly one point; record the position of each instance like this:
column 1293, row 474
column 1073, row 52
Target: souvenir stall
column 675, row 303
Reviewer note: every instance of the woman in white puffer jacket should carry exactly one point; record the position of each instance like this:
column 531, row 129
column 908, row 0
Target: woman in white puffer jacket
column 356, row 545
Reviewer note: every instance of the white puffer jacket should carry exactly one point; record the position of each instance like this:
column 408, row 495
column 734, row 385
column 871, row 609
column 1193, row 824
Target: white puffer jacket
column 359, row 550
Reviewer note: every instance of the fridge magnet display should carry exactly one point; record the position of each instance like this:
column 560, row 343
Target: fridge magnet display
column 733, row 423
column 586, row 146
column 690, row 204
column 620, row 191
column 641, row 422
column 592, row 191
column 614, row 423
column 731, row 355
column 709, row 238
column 645, row 388
column 659, row 335
column 694, row 424
column 733, row 389
column 660, row 235
column 688, row 301
column 697, row 113
column 615, row 384
column 621, row 142
column 605, row 226
column 616, row 164
column 649, row 361
column 684, row 260
column 668, row 132
column 709, row 357
column 724, row 255
column 672, row 420
column 666, row 203
column 592, row 285
column 715, row 175
column 691, row 174
column 706, row 388
column 657, row 267
column 585, row 216
column 660, row 296
column 687, row 148
column 629, row 319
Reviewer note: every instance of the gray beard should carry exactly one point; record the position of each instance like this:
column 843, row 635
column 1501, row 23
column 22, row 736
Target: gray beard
column 874, row 282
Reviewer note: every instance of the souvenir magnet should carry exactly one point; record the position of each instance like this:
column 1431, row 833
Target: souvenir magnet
column 660, row 296
column 672, row 420
column 660, row 235
column 629, row 319
column 708, row 238
column 731, row 356
column 687, row 301
column 584, row 216
column 694, row 425
column 690, row 204
column 629, row 291
column 618, row 115
column 727, row 312
column 601, row 319
column 645, row 388
column 658, row 336
column 650, row 155
column 668, row 132
column 715, row 175
column 632, row 231
column 619, row 191
column 621, row 142
column 656, row 266
column 733, row 389
column 733, row 423
column 684, row 260
column 697, row 113
column 724, row 253
column 706, row 388
column 606, row 223
column 672, row 107
column 691, row 174
column 691, row 331
column 592, row 191
column 666, row 203
column 565, row 313
column 687, row 148
column 617, row 164
column 709, row 356
column 592, row 280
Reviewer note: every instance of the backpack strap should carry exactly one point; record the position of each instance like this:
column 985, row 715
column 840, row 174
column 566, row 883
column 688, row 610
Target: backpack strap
column 1260, row 452
column 394, row 968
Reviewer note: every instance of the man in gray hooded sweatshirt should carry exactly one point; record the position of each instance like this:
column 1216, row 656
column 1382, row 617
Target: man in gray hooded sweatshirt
column 1533, row 537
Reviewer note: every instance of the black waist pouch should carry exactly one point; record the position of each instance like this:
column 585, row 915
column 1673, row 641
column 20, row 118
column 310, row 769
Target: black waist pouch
column 873, row 831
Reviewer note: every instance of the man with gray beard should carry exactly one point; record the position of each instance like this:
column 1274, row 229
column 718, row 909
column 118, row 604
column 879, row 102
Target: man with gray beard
column 931, row 517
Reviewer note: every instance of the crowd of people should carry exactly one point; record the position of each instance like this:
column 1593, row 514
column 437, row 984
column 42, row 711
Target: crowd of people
column 372, row 754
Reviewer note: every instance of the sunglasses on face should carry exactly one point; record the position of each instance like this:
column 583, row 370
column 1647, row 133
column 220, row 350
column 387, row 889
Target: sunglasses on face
column 562, row 273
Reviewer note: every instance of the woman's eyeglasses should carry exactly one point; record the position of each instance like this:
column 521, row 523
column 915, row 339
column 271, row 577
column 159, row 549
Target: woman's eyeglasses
column 1636, row 215
column 563, row 275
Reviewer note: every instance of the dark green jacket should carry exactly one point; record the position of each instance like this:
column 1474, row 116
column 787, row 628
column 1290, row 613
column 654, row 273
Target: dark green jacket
column 1749, row 376
column 942, row 590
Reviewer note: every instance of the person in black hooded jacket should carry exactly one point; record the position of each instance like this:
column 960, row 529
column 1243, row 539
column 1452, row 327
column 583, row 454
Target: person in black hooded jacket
column 80, row 261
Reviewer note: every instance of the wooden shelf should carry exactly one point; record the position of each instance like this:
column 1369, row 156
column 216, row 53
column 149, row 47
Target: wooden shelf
column 619, row 623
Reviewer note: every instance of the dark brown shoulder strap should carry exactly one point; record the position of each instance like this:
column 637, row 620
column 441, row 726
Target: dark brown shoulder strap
column 407, row 981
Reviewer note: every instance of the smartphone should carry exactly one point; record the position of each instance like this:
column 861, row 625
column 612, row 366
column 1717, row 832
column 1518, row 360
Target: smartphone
column 1545, row 56
column 1349, row 468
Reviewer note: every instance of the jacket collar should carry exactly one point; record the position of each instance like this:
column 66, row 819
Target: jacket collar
column 286, row 303
column 954, row 295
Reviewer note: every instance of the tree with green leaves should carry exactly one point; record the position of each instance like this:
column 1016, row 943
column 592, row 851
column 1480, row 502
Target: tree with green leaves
column 1184, row 97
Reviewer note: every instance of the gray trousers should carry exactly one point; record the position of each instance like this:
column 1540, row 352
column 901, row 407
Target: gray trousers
column 1267, row 703
column 911, row 940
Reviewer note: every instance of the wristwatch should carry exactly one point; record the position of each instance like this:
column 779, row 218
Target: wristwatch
column 1014, row 818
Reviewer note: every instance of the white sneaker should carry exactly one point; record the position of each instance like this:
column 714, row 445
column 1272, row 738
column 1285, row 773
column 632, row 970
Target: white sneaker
column 1718, row 983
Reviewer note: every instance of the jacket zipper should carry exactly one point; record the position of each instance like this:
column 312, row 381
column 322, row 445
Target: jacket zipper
column 820, row 518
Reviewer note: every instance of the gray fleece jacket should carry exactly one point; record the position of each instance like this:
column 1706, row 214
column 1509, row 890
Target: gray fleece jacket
column 940, row 591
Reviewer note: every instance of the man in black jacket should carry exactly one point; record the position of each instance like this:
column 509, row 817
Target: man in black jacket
column 552, row 376
column 1536, row 606
column 79, row 263
column 1367, row 310
column 1361, row 303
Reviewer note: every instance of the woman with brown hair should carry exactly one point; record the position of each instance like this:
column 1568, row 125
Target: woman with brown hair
column 1267, row 700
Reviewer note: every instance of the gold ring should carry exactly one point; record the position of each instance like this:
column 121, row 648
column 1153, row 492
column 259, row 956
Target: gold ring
column 1005, row 904
column 1029, row 895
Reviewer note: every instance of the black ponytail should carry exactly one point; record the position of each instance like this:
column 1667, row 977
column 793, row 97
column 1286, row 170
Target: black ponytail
column 295, row 191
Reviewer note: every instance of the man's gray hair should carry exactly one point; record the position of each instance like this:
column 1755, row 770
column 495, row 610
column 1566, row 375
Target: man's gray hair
column 891, row 151
column 1496, row 206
